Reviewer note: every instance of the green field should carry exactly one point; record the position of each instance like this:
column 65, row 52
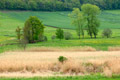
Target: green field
column 67, row 78
column 9, row 20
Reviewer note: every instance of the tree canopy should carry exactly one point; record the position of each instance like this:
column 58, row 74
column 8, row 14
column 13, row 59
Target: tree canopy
column 90, row 12
column 55, row 5
column 78, row 21
column 33, row 29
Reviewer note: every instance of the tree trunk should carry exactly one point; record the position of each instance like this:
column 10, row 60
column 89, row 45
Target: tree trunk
column 91, row 35
column 95, row 36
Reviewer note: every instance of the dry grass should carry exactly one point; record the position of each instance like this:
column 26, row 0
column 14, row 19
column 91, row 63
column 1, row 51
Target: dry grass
column 77, row 63
column 114, row 48
column 58, row 49
column 72, row 67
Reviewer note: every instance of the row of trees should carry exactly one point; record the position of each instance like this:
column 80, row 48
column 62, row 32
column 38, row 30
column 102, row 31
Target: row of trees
column 55, row 5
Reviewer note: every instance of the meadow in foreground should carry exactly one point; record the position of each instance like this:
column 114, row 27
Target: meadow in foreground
column 93, row 77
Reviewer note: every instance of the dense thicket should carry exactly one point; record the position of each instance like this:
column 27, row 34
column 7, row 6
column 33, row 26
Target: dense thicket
column 55, row 5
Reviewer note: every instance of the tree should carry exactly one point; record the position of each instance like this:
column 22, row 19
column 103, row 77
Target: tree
column 33, row 30
column 107, row 33
column 78, row 21
column 18, row 31
column 59, row 33
column 90, row 12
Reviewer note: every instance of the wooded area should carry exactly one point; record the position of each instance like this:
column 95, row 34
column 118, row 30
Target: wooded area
column 55, row 5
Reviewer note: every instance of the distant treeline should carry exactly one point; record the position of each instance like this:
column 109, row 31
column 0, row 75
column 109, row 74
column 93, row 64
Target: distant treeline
column 55, row 5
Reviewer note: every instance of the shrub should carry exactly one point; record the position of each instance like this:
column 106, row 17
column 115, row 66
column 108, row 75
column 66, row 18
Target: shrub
column 45, row 38
column 23, row 43
column 53, row 37
column 59, row 33
column 107, row 33
column 67, row 35
column 62, row 59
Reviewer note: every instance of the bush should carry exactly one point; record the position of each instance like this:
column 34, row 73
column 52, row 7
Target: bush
column 62, row 59
column 107, row 33
column 59, row 33
column 45, row 38
column 53, row 37
column 23, row 43
column 67, row 35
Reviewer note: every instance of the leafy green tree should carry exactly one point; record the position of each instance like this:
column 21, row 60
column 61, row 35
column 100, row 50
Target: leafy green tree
column 59, row 33
column 18, row 31
column 78, row 21
column 33, row 29
column 91, row 12
column 107, row 33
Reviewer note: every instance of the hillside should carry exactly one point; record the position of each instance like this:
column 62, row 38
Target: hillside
column 56, row 5
column 10, row 20
column 109, row 19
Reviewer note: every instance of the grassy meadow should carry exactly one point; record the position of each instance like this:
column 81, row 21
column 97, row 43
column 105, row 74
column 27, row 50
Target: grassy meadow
column 9, row 20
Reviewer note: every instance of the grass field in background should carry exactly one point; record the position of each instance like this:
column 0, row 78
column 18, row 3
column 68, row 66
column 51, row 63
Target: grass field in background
column 9, row 20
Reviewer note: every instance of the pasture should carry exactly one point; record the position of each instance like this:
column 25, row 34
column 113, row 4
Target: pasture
column 10, row 20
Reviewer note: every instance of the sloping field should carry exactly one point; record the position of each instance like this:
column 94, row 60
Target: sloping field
column 12, row 19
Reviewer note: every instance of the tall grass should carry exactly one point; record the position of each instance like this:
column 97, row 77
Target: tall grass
column 107, row 67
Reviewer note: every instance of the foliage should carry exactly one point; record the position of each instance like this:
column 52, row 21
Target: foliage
column 39, row 5
column 23, row 43
column 33, row 29
column 53, row 37
column 59, row 33
column 90, row 12
column 78, row 21
column 55, row 5
column 62, row 59
column 67, row 35
column 45, row 38
column 18, row 32
column 107, row 32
